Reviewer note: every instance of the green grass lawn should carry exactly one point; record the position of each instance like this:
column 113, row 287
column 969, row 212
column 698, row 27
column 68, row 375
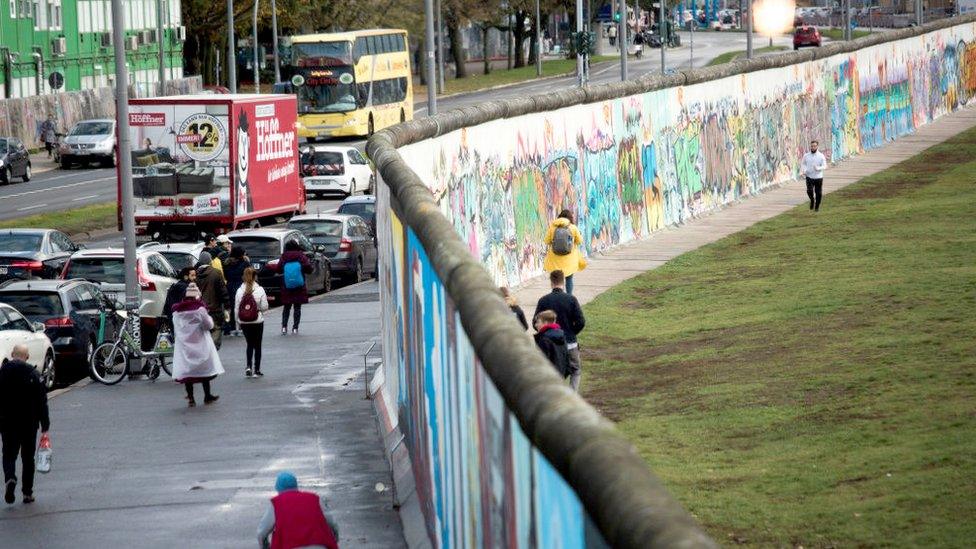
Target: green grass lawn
column 475, row 81
column 730, row 56
column 838, row 34
column 73, row 221
column 812, row 380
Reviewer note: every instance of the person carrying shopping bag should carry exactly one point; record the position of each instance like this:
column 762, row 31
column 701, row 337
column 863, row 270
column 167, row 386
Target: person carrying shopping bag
column 564, row 239
column 195, row 358
column 250, row 304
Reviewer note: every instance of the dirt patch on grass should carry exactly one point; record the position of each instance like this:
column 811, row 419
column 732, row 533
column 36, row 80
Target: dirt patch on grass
column 916, row 173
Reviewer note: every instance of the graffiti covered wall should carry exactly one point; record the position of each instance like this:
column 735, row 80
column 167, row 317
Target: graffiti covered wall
column 630, row 166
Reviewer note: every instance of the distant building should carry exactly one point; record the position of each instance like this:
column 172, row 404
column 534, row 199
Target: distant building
column 74, row 38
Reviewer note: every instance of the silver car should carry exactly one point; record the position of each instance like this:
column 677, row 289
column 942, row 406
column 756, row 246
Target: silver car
column 89, row 141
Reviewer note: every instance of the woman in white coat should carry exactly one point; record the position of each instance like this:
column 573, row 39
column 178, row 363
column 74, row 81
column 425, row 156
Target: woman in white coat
column 250, row 304
column 195, row 358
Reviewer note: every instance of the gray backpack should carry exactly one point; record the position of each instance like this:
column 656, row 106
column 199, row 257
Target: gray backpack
column 562, row 241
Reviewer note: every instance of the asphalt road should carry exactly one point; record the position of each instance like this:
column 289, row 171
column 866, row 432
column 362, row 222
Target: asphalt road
column 58, row 189
column 135, row 467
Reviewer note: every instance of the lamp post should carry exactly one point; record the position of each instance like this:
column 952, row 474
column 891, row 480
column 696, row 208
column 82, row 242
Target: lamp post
column 580, row 74
column 274, row 38
column 538, row 40
column 256, row 48
column 431, row 73
column 162, row 52
column 749, row 29
column 622, row 33
column 231, row 58
column 919, row 14
column 440, row 48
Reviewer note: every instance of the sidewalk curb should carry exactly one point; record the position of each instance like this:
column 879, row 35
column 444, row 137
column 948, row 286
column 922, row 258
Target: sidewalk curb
column 76, row 385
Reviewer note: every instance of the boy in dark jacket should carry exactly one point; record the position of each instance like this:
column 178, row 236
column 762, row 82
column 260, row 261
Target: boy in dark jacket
column 569, row 315
column 551, row 340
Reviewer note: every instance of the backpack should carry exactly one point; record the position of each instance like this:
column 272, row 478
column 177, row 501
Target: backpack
column 294, row 278
column 562, row 241
column 247, row 311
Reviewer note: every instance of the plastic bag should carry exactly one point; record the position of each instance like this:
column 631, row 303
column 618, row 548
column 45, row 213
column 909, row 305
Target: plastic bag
column 44, row 454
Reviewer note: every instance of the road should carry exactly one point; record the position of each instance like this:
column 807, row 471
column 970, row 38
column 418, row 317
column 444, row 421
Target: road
column 58, row 190
column 134, row 466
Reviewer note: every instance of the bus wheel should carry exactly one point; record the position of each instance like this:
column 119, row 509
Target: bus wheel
column 370, row 129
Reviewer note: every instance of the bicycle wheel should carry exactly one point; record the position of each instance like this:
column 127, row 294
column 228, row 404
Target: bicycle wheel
column 167, row 367
column 109, row 364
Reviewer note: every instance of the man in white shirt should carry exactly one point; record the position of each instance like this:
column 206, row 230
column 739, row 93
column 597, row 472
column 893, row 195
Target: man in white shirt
column 813, row 165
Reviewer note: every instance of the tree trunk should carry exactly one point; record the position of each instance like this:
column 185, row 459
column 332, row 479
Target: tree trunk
column 508, row 42
column 484, row 48
column 533, row 45
column 519, row 34
column 457, row 46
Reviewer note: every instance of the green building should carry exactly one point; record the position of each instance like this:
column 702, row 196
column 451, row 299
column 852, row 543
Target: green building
column 74, row 38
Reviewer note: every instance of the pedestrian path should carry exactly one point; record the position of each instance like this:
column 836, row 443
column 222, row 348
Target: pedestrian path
column 40, row 163
column 629, row 260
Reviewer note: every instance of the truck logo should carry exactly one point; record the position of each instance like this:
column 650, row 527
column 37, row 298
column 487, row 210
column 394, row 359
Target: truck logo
column 244, row 201
column 202, row 137
column 147, row 119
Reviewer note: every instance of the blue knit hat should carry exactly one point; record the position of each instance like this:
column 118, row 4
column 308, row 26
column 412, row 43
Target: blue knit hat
column 286, row 481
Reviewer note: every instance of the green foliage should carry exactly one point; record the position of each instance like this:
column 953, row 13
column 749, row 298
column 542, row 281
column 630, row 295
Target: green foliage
column 810, row 380
column 74, row 221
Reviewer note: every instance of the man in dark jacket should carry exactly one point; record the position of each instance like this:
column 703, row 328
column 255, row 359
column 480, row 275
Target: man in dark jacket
column 177, row 291
column 234, row 268
column 569, row 316
column 551, row 340
column 23, row 407
column 213, row 292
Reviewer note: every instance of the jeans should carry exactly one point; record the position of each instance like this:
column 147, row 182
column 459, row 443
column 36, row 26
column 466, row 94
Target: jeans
column 576, row 366
column 815, row 192
column 286, row 309
column 253, row 334
column 569, row 284
column 21, row 441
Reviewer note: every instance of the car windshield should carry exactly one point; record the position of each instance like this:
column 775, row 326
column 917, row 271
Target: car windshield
column 180, row 260
column 13, row 242
column 3, row 144
column 258, row 247
column 318, row 227
column 36, row 306
column 107, row 270
column 365, row 210
column 92, row 128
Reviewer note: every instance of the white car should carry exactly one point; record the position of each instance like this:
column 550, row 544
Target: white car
column 15, row 329
column 179, row 254
column 335, row 169
column 106, row 268
column 89, row 141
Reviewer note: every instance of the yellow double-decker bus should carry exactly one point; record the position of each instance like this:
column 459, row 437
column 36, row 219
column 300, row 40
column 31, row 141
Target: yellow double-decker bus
column 350, row 83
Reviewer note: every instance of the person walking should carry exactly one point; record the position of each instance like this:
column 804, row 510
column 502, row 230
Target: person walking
column 569, row 316
column 214, row 293
column 195, row 358
column 177, row 291
column 251, row 302
column 514, row 306
column 564, row 239
column 551, row 340
column 813, row 165
column 49, row 134
column 234, row 269
column 296, row 519
column 612, row 34
column 23, row 408
column 224, row 247
column 294, row 265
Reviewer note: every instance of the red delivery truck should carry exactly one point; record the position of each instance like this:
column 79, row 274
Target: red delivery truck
column 212, row 163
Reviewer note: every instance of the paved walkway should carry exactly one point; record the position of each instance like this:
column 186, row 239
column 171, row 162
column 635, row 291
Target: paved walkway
column 629, row 260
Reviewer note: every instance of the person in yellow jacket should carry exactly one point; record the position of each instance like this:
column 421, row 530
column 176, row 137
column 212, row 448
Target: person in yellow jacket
column 563, row 239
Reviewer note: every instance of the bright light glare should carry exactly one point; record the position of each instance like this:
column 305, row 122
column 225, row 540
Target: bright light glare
column 774, row 17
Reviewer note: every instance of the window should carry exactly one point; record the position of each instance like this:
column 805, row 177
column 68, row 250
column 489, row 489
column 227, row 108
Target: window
column 17, row 322
column 392, row 90
column 16, row 145
column 36, row 13
column 54, row 14
column 38, row 306
column 373, row 45
column 88, row 298
column 13, row 9
column 360, row 48
column 107, row 270
column 360, row 159
column 63, row 242
column 159, row 267
column 390, row 41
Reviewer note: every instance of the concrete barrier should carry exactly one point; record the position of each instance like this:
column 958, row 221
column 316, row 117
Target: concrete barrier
column 464, row 201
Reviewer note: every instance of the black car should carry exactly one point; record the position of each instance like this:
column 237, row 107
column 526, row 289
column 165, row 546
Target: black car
column 364, row 206
column 345, row 239
column 33, row 253
column 264, row 246
column 75, row 314
column 14, row 160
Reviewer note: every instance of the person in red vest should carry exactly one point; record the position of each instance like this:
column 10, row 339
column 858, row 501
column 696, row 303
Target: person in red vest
column 296, row 519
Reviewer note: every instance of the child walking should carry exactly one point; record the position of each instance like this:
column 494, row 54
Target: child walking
column 250, row 303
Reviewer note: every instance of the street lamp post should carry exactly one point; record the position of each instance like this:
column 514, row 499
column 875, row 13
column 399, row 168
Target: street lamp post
column 162, row 51
column 748, row 29
column 661, row 25
column 580, row 74
column 256, row 48
column 440, row 48
column 847, row 19
column 231, row 58
column 622, row 33
column 431, row 73
column 919, row 14
column 274, row 38
column 538, row 40
column 125, row 164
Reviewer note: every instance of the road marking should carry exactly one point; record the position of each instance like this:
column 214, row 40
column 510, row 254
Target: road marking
column 84, row 197
column 25, row 208
column 68, row 186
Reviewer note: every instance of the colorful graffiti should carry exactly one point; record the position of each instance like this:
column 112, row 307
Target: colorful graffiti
column 633, row 165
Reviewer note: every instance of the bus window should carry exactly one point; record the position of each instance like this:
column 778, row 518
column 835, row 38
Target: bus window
column 388, row 41
column 401, row 43
column 373, row 45
column 360, row 48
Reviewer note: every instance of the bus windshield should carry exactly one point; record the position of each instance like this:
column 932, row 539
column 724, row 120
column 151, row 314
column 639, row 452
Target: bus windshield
column 327, row 89
column 322, row 53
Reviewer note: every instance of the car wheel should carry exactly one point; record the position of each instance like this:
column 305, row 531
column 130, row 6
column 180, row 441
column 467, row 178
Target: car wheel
column 47, row 372
column 6, row 176
column 27, row 173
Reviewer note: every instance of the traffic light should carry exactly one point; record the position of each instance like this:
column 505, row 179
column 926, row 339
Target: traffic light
column 616, row 17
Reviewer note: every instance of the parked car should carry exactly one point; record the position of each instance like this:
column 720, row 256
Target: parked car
column 76, row 317
column 806, row 35
column 14, row 160
column 346, row 240
column 33, row 253
column 363, row 206
column 89, row 141
column 265, row 246
column 335, row 169
column 179, row 255
column 15, row 329
column 106, row 268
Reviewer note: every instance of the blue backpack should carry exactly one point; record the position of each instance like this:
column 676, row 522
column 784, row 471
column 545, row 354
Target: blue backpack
column 294, row 278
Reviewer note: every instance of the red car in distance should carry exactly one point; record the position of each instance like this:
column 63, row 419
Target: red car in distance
column 805, row 35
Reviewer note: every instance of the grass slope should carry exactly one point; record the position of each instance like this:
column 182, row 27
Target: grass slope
column 73, row 221
column 476, row 81
column 812, row 380
column 730, row 56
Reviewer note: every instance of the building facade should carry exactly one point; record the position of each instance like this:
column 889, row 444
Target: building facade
column 74, row 39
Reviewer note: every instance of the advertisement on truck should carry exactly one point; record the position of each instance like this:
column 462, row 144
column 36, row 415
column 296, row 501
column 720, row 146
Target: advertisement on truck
column 203, row 164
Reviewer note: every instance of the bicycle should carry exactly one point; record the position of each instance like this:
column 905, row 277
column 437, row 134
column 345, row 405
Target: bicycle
column 110, row 360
